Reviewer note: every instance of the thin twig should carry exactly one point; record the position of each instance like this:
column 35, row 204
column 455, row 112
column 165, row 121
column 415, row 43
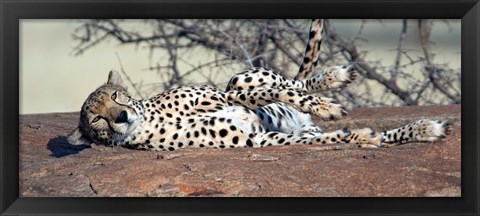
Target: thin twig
column 137, row 91
column 399, row 49
column 432, row 70
column 369, row 71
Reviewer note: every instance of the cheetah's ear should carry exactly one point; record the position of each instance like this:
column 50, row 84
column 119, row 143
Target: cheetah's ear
column 114, row 78
column 77, row 138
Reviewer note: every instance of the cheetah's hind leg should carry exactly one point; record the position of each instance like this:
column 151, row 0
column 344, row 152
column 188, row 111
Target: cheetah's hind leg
column 323, row 107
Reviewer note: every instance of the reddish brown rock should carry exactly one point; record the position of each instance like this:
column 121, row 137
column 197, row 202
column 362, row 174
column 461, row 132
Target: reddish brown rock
column 50, row 166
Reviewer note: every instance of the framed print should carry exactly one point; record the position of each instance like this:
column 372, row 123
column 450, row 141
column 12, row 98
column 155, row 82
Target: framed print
column 157, row 107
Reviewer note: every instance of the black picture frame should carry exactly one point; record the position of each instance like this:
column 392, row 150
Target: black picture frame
column 11, row 11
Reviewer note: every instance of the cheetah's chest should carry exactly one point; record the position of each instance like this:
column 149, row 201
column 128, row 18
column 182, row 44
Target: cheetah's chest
column 167, row 127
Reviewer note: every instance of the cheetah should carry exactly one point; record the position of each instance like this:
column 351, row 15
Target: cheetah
column 258, row 108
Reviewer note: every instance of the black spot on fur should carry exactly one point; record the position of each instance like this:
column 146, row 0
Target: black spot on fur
column 301, row 68
column 308, row 47
column 235, row 140
column 306, row 60
column 271, row 135
column 234, row 80
column 212, row 122
column 249, row 143
column 223, row 132
column 242, row 97
column 212, row 133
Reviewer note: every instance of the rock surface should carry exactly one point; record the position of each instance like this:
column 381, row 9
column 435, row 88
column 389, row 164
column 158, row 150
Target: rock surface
column 50, row 166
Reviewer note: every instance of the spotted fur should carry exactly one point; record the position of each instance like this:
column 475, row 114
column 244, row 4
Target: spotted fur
column 423, row 130
column 259, row 108
column 287, row 118
column 192, row 116
column 204, row 116
column 259, row 78
column 312, row 52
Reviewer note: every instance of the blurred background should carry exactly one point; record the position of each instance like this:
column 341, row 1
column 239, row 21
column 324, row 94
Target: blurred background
column 401, row 62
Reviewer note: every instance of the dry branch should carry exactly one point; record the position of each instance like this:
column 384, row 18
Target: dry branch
column 279, row 45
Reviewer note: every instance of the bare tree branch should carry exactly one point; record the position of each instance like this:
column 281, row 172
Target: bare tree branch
column 229, row 46
column 400, row 48
column 368, row 71
column 432, row 70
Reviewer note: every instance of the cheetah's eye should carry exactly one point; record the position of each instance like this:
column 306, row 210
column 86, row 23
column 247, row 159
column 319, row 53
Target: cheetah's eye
column 96, row 119
column 114, row 96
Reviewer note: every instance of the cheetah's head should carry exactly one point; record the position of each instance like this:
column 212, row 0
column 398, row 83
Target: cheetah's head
column 108, row 115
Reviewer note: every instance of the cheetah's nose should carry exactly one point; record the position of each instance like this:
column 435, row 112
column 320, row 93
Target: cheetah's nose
column 122, row 118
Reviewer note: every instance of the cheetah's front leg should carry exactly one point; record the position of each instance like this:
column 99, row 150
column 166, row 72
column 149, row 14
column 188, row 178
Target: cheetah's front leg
column 423, row 130
column 278, row 138
column 319, row 106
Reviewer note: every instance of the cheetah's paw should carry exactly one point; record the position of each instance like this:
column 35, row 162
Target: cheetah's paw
column 327, row 109
column 340, row 76
column 431, row 130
